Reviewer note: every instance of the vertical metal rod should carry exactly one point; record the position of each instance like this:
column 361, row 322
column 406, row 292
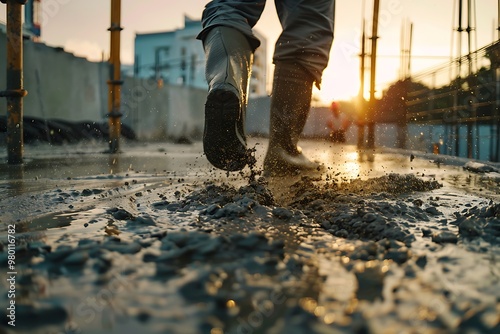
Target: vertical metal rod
column 453, row 40
column 458, row 79
column 362, row 102
column 410, row 42
column 373, row 63
column 497, row 111
column 470, row 124
column 115, row 82
column 15, row 90
column 402, row 50
column 456, row 129
column 497, row 79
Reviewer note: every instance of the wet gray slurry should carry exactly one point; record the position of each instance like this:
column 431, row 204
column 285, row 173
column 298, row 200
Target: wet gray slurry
column 375, row 243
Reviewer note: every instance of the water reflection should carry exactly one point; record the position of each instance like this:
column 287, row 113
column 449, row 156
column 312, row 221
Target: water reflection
column 352, row 166
column 366, row 155
column 14, row 181
column 114, row 164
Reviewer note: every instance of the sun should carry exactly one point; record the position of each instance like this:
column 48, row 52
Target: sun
column 337, row 85
column 341, row 79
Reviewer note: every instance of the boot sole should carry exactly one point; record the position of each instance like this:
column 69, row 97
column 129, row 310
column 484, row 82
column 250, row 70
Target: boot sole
column 224, row 147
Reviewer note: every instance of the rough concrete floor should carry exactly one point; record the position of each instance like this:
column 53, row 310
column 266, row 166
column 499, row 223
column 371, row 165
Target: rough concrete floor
column 153, row 240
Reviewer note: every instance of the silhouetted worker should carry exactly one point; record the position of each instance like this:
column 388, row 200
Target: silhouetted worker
column 300, row 56
column 338, row 123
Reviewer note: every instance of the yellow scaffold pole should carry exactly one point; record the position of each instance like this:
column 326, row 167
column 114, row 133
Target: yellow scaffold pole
column 373, row 63
column 15, row 90
column 114, row 82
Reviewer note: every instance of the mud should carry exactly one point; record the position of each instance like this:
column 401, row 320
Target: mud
column 399, row 251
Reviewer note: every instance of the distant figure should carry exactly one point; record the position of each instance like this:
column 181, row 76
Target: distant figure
column 338, row 123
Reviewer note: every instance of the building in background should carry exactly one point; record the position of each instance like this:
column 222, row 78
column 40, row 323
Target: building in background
column 176, row 57
column 33, row 18
column 32, row 28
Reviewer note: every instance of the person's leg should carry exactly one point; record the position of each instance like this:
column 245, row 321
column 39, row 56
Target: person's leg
column 241, row 15
column 301, row 55
column 307, row 34
column 229, row 44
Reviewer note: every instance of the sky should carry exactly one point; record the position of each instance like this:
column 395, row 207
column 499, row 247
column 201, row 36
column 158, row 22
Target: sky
column 80, row 26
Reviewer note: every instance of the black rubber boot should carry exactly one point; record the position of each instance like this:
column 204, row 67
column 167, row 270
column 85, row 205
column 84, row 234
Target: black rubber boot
column 228, row 67
column 290, row 104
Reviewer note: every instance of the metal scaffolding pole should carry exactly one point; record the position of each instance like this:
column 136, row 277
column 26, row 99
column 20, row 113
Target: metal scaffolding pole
column 115, row 82
column 361, row 97
column 497, row 80
column 471, row 152
column 373, row 62
column 15, row 90
column 458, row 79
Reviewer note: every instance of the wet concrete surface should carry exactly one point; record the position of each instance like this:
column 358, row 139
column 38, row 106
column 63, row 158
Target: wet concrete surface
column 154, row 240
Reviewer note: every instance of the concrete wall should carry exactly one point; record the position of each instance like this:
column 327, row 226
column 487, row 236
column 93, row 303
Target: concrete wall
column 59, row 84
column 62, row 86
column 258, row 119
column 163, row 112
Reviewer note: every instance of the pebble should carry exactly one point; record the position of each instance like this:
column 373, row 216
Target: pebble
column 370, row 284
column 342, row 233
column 209, row 246
column 444, row 237
column 369, row 217
column 39, row 246
column 180, row 239
column 122, row 247
column 121, row 214
column 398, row 255
column 326, row 224
column 418, row 202
column 470, row 227
column 40, row 314
column 426, row 232
column 212, row 209
column 143, row 219
column 282, row 213
column 160, row 205
column 87, row 192
column 231, row 210
column 421, row 261
column 59, row 254
column 433, row 211
column 251, row 241
column 172, row 254
column 102, row 265
column 77, row 258
column 173, row 206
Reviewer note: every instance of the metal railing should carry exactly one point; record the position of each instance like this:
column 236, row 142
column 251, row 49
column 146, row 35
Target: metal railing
column 465, row 93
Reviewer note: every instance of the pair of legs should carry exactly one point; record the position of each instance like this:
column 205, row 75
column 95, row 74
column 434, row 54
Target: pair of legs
column 300, row 56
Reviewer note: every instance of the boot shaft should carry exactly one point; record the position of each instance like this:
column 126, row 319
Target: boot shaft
column 229, row 59
column 290, row 104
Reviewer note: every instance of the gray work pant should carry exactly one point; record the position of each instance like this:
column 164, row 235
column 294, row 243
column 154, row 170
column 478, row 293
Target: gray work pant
column 307, row 34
